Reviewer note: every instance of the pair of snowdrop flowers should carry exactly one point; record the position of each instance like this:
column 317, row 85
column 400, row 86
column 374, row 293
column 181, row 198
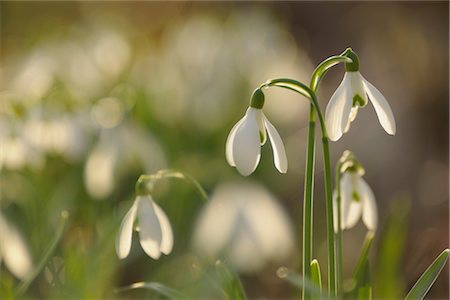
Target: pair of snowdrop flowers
column 155, row 231
column 356, row 197
column 250, row 133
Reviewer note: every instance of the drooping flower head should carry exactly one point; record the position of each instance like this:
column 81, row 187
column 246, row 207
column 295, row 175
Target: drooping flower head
column 155, row 231
column 357, row 199
column 353, row 93
column 243, row 146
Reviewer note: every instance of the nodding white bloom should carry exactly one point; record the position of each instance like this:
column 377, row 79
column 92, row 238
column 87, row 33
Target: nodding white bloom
column 155, row 232
column 243, row 146
column 352, row 93
column 357, row 200
column 13, row 251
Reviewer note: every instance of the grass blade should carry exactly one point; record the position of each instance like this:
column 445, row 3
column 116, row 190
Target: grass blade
column 160, row 288
column 297, row 280
column 423, row 285
column 316, row 277
column 47, row 254
column 232, row 285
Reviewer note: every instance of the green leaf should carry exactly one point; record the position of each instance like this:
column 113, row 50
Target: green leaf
column 231, row 283
column 423, row 285
column 316, row 277
column 160, row 288
column 297, row 280
column 47, row 254
column 363, row 257
column 388, row 280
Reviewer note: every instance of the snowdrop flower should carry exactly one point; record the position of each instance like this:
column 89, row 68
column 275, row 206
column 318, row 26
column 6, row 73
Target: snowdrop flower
column 13, row 251
column 243, row 146
column 357, row 198
column 351, row 94
column 155, row 231
column 247, row 223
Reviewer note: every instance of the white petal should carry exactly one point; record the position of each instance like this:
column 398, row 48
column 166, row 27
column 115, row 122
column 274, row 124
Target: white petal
column 351, row 118
column 246, row 145
column 123, row 238
column 14, row 251
column 150, row 233
column 351, row 209
column 357, row 86
column 279, row 154
column 229, row 143
column 166, row 230
column 338, row 110
column 370, row 214
column 382, row 108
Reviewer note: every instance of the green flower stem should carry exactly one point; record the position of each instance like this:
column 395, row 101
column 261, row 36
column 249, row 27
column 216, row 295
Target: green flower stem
column 307, row 92
column 308, row 200
column 340, row 272
column 144, row 184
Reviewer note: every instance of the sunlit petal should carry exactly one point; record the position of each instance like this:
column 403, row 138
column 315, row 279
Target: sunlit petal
column 338, row 110
column 246, row 146
column 369, row 214
column 357, row 87
column 279, row 153
column 351, row 209
column 382, row 108
column 166, row 230
column 14, row 251
column 123, row 238
column 150, row 233
column 230, row 141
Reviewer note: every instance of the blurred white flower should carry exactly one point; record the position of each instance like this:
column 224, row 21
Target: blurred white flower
column 119, row 150
column 349, row 96
column 244, row 221
column 356, row 199
column 13, row 251
column 243, row 146
column 155, row 232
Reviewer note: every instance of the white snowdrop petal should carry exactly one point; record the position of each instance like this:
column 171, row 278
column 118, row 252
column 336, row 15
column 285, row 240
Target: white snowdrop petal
column 150, row 233
column 370, row 213
column 351, row 210
column 14, row 251
column 124, row 236
column 279, row 153
column 382, row 108
column 246, row 146
column 229, row 143
column 338, row 110
column 357, row 86
column 166, row 230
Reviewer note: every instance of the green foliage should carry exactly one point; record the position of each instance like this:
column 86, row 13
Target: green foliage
column 425, row 282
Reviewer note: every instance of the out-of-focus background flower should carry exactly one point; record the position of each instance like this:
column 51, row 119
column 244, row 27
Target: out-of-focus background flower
column 95, row 94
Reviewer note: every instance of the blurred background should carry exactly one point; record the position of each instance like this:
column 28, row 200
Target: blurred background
column 95, row 94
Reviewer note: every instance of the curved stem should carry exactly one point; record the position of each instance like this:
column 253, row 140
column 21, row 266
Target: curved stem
column 323, row 68
column 307, row 92
column 170, row 173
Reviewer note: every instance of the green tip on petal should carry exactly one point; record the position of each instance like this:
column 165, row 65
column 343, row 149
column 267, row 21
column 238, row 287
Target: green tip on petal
column 353, row 66
column 257, row 100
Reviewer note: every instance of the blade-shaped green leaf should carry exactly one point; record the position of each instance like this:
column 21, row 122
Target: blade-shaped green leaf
column 160, row 288
column 363, row 257
column 47, row 254
column 423, row 285
column 231, row 282
column 316, row 277
column 297, row 280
